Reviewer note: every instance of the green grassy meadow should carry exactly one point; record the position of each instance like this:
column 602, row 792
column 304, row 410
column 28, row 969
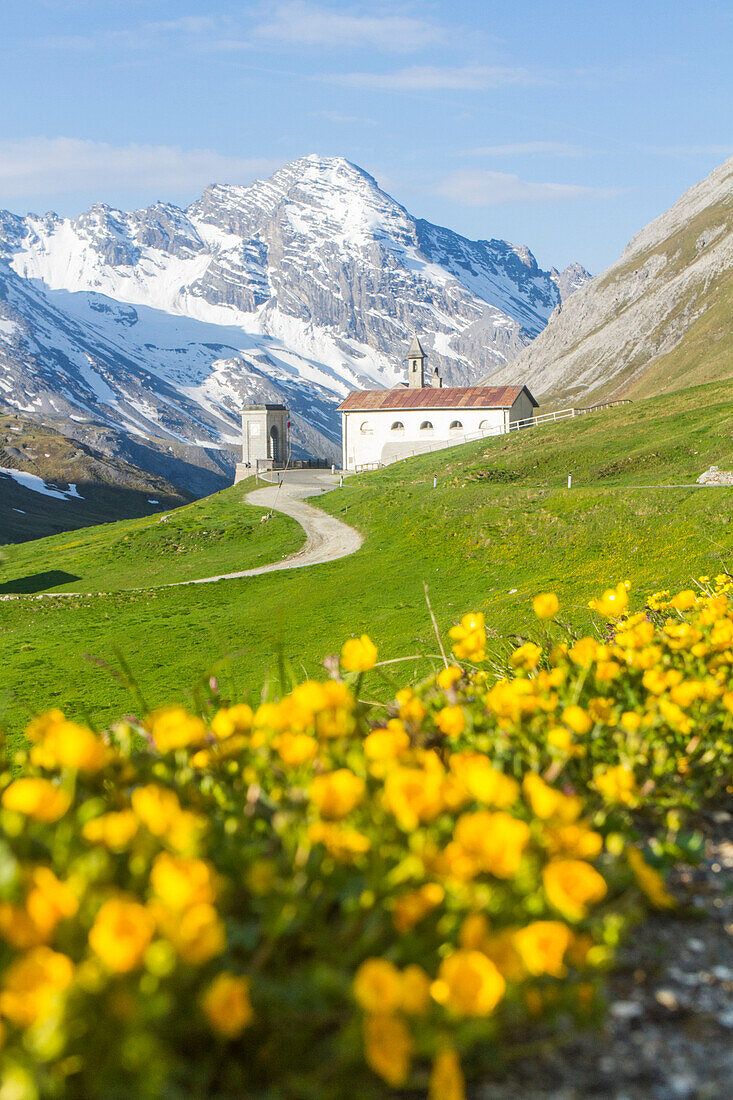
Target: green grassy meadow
column 500, row 526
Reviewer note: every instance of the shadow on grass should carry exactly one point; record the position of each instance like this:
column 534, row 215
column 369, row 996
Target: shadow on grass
column 38, row 582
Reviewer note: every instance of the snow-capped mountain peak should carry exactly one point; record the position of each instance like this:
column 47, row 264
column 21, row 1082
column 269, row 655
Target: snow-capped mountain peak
column 296, row 288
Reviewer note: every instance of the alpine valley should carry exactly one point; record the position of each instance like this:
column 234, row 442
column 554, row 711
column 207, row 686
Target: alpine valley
column 143, row 334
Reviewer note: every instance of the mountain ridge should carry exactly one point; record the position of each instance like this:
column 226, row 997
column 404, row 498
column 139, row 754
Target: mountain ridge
column 162, row 322
column 657, row 319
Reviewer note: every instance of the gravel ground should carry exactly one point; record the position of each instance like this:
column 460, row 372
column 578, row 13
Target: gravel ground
column 669, row 1031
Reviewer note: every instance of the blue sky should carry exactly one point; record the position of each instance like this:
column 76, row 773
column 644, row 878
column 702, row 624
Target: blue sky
column 565, row 126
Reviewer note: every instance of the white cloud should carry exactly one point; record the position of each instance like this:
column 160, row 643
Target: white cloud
column 437, row 78
column 527, row 148
column 304, row 24
column 484, row 188
column 45, row 166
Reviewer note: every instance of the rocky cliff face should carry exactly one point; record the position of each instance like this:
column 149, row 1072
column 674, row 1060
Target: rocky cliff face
column 161, row 323
column 658, row 319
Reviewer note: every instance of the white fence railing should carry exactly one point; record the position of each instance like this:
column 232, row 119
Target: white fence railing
column 500, row 429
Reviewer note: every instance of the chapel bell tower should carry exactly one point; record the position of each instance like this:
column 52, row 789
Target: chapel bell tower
column 416, row 365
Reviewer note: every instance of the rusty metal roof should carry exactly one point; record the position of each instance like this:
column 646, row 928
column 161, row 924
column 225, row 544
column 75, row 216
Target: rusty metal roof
column 429, row 397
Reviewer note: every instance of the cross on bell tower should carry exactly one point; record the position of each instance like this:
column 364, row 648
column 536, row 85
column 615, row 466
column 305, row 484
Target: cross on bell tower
column 416, row 365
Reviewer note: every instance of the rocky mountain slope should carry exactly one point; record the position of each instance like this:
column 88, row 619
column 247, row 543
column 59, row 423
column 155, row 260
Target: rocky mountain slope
column 159, row 324
column 51, row 483
column 659, row 319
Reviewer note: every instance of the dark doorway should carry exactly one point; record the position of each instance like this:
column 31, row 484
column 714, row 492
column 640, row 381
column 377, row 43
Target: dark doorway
column 274, row 444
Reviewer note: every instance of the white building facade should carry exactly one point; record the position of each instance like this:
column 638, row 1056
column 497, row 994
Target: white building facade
column 381, row 426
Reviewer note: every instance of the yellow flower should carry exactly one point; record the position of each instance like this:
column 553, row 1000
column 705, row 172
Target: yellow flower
column 617, row 784
column 683, row 601
column 387, row 744
column 561, row 738
column 577, row 719
column 483, row 782
column 156, row 807
column 47, row 902
column 358, row 654
column 231, row 720
column 447, row 677
column 495, row 841
column 227, row 1006
column 336, row 794
column 546, row 802
column 377, row 986
column 388, row 1048
column 179, row 882
column 502, row 951
column 412, row 709
column 415, row 991
column 114, row 830
column 295, row 748
column 451, row 721
column 32, row 984
column 174, row 728
column 343, row 844
column 613, row 602
column 411, row 908
column 574, row 840
column 474, row 932
column 542, row 946
column 413, row 795
column 650, row 881
column 197, row 933
column 468, row 984
column 470, row 638
column 121, row 934
column 446, row 1078
column 584, row 652
column 571, row 886
column 527, row 656
column 546, row 605
column 37, row 798
column 59, row 743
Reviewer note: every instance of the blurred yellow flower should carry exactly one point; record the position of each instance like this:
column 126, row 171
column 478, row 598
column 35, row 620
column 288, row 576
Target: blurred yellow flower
column 542, row 946
column 32, row 984
column 494, row 841
column 411, row 908
column 447, row 677
column 577, row 719
column 226, row 1004
column 343, row 844
column 37, row 798
column 470, row 638
column 613, row 602
column 526, row 657
column 180, row 882
column 451, row 721
column 546, row 605
column 388, row 1048
column 415, row 990
column 546, row 802
column 121, row 934
column 197, row 933
column 446, row 1078
column 174, row 728
column 650, row 881
column 358, row 654
column 377, row 986
column 59, row 743
column 114, row 830
column 335, row 794
column 295, row 748
column 468, row 984
column 572, row 886
column 413, row 795
column 617, row 784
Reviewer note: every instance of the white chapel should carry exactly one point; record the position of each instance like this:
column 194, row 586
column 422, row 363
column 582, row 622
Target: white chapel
column 380, row 426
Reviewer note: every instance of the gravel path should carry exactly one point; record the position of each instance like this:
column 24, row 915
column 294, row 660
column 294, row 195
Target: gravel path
column 328, row 538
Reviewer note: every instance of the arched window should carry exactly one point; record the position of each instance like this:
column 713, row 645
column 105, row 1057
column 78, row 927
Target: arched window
column 456, row 426
column 426, row 426
column 398, row 426
column 485, row 425
column 366, row 428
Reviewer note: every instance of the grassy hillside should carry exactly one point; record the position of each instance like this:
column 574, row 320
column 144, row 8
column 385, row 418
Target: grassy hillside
column 500, row 526
column 107, row 488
